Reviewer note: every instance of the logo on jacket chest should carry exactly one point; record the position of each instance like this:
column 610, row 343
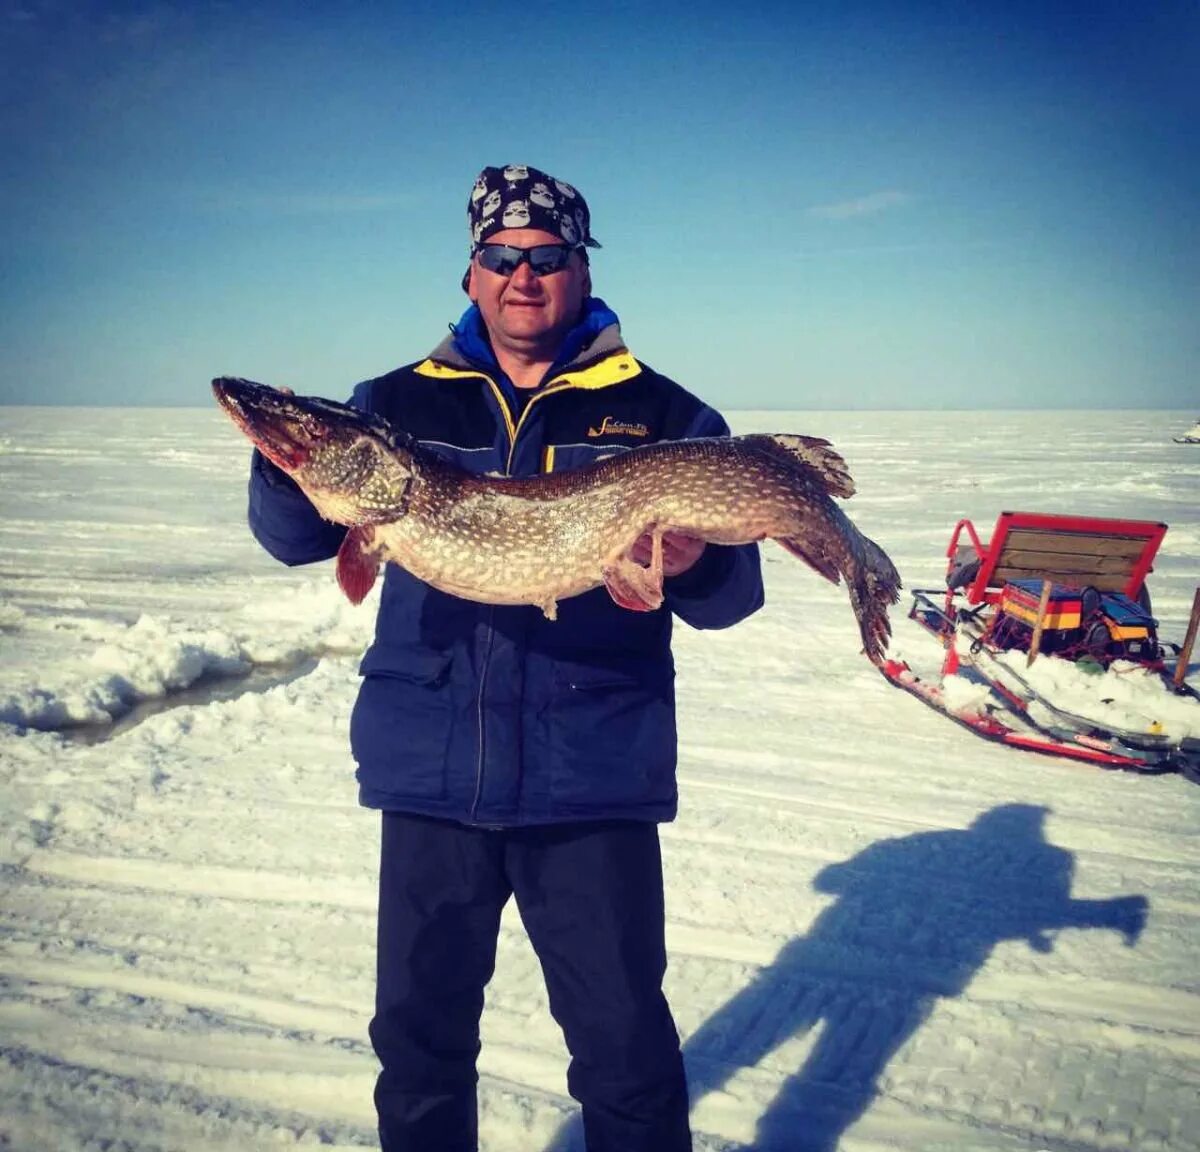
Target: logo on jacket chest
column 611, row 426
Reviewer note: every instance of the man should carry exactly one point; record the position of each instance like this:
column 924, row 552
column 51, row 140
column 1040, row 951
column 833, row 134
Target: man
column 510, row 754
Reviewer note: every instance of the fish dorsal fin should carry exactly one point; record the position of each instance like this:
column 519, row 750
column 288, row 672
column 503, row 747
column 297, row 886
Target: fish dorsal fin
column 812, row 453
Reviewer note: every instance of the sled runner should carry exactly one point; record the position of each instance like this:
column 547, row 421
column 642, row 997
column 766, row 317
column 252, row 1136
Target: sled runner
column 1069, row 587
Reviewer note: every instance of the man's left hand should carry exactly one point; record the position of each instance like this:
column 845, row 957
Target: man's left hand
column 679, row 552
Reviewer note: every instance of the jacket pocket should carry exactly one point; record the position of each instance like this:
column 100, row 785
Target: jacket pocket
column 611, row 735
column 402, row 720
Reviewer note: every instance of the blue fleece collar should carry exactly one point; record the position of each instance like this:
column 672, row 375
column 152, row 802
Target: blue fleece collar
column 471, row 338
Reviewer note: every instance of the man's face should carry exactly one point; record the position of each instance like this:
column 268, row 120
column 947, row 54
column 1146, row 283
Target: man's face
column 524, row 313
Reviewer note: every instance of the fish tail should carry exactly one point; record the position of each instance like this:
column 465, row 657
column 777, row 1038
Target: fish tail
column 874, row 588
column 871, row 579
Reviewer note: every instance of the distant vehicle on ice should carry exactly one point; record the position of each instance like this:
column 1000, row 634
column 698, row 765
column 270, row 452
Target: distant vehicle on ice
column 1190, row 437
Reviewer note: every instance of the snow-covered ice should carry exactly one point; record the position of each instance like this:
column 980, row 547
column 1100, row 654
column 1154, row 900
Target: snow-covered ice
column 884, row 932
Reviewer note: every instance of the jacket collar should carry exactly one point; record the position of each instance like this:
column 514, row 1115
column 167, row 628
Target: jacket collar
column 596, row 336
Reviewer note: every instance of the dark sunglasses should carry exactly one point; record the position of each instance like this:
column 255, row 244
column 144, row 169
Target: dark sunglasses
column 544, row 259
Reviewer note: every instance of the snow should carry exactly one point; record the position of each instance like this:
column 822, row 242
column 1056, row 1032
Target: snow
column 885, row 933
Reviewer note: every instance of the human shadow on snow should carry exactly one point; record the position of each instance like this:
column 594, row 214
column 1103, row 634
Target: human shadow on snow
column 914, row 919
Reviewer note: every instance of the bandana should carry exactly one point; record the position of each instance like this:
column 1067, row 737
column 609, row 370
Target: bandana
column 518, row 196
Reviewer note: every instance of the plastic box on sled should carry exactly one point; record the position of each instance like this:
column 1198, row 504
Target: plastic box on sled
column 1105, row 625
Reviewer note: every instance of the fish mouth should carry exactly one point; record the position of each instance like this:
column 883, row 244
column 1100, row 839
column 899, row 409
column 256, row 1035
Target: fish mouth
column 270, row 419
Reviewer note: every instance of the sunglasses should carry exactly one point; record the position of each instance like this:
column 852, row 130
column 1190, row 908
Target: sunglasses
column 544, row 259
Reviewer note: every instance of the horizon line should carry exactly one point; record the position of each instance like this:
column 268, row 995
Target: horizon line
column 166, row 407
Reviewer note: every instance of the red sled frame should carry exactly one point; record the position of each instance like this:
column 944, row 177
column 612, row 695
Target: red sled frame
column 1107, row 554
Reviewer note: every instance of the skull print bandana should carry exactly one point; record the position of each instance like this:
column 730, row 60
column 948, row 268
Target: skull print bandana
column 518, row 196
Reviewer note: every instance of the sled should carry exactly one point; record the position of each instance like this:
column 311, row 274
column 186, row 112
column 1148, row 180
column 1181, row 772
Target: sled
column 1071, row 587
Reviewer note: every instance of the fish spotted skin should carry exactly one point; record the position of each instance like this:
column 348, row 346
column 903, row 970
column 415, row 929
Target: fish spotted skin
column 538, row 540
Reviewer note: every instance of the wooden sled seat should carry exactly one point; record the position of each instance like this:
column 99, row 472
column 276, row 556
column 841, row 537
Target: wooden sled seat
column 1077, row 551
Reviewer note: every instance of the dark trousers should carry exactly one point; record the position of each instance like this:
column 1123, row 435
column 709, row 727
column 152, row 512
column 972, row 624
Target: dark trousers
column 591, row 899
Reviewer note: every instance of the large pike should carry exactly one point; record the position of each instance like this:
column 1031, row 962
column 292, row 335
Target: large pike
column 538, row 540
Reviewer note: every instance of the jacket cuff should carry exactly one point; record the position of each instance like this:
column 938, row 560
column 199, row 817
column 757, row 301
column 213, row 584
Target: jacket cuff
column 705, row 576
column 271, row 475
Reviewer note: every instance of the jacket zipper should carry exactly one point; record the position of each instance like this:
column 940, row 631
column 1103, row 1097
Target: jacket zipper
column 516, row 428
column 479, row 720
column 480, row 723
column 513, row 428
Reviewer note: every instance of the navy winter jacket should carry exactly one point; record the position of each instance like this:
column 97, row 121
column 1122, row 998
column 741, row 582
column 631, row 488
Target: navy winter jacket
column 494, row 715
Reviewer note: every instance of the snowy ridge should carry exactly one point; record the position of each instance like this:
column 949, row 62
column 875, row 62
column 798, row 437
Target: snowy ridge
column 153, row 657
column 883, row 932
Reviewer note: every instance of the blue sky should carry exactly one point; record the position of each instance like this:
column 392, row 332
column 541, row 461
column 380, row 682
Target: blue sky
column 940, row 205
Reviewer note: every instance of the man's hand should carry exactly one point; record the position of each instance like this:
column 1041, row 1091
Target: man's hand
column 1130, row 917
column 679, row 552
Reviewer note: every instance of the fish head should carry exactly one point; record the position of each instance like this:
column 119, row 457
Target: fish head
column 354, row 466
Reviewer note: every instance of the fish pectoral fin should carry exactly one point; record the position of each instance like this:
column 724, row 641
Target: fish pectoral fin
column 357, row 564
column 632, row 586
column 821, row 564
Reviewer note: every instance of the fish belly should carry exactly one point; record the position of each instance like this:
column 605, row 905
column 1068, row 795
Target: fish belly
column 534, row 553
